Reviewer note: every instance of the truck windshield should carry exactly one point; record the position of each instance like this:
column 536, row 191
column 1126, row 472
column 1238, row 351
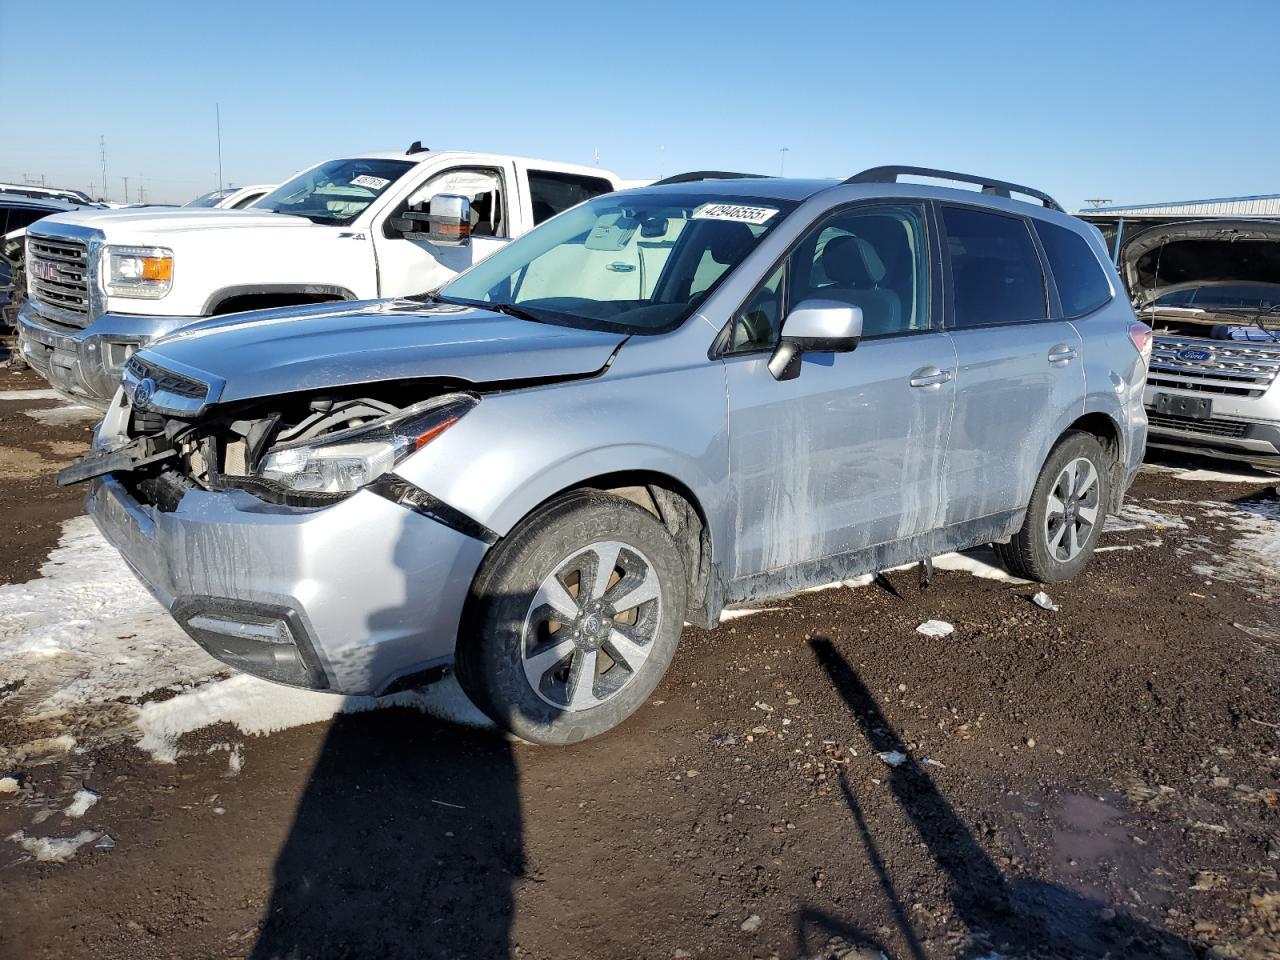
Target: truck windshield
column 212, row 198
column 636, row 262
column 335, row 192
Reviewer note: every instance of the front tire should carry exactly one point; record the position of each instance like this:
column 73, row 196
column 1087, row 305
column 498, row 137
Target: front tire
column 573, row 619
column 1065, row 517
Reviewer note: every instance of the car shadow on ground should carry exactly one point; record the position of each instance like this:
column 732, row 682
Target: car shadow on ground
column 406, row 843
column 1015, row 917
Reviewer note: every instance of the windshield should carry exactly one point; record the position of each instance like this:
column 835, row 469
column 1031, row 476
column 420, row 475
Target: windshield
column 1241, row 296
column 212, row 198
column 638, row 262
column 335, row 192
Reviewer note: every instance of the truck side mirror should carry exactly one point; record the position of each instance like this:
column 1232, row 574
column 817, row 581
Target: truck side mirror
column 815, row 326
column 446, row 223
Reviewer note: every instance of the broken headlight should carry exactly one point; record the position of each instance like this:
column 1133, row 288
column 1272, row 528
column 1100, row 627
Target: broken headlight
column 344, row 462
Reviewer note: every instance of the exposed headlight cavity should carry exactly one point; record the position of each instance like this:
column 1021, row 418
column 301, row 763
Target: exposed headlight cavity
column 346, row 461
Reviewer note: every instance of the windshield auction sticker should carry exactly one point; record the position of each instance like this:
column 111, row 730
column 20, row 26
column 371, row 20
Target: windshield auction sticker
column 737, row 212
column 373, row 183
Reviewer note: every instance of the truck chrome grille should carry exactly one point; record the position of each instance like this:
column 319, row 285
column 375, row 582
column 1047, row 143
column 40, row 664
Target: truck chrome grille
column 59, row 271
column 1232, row 368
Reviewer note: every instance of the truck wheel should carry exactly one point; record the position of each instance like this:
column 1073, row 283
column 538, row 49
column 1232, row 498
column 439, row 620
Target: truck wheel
column 572, row 619
column 1066, row 513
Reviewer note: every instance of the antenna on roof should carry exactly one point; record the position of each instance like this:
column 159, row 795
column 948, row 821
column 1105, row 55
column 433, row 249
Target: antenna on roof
column 416, row 147
column 1097, row 201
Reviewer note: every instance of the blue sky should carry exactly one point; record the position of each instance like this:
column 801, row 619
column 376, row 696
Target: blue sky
column 1127, row 101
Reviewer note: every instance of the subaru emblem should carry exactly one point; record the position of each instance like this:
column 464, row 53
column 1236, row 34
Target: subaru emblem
column 143, row 392
column 1195, row 355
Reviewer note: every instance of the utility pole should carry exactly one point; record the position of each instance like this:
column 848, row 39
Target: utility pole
column 102, row 150
column 126, row 189
column 782, row 163
column 218, row 112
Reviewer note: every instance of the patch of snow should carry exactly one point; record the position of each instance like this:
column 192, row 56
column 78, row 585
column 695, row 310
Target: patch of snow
column 80, row 803
column 259, row 707
column 1130, row 546
column 53, row 849
column 1240, row 474
column 980, row 561
column 29, row 395
column 61, row 416
column 9, row 785
column 1135, row 517
column 86, row 639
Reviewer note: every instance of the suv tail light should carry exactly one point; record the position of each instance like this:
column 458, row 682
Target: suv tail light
column 1142, row 337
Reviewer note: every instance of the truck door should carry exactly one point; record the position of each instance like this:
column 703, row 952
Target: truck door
column 416, row 266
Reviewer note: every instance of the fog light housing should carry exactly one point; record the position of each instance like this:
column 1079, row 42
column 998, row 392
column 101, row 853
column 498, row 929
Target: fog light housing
column 262, row 639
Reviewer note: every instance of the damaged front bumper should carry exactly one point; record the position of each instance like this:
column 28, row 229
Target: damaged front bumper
column 359, row 597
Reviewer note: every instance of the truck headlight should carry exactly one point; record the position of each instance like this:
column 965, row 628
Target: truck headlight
column 143, row 272
column 344, row 462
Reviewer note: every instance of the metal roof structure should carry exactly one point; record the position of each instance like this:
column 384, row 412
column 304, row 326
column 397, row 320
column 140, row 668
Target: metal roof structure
column 1263, row 205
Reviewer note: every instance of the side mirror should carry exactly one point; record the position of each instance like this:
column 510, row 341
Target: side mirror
column 447, row 223
column 815, row 326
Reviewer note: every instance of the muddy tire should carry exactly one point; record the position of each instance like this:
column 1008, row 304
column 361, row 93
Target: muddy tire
column 1065, row 517
column 573, row 619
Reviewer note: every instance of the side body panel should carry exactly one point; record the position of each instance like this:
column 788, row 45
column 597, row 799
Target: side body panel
column 844, row 457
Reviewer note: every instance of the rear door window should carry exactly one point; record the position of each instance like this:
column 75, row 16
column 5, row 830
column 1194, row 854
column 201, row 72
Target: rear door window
column 552, row 192
column 995, row 270
column 1082, row 285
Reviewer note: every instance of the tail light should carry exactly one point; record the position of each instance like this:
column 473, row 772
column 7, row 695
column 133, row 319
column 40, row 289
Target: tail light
column 1142, row 337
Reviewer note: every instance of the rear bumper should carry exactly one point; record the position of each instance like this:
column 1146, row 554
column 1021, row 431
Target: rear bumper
column 85, row 365
column 351, row 598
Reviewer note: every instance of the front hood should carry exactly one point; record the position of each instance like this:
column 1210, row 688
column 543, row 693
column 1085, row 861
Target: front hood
column 268, row 352
column 155, row 221
column 1199, row 253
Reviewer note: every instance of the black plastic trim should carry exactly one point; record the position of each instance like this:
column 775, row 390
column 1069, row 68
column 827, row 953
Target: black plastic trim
column 696, row 175
column 998, row 188
column 411, row 497
column 184, row 608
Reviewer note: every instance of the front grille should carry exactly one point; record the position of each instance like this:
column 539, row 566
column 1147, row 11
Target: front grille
column 1232, row 368
column 58, row 269
column 1231, row 429
column 165, row 380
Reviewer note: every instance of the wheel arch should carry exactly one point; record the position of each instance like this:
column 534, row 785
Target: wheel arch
column 1103, row 427
column 681, row 512
column 264, row 295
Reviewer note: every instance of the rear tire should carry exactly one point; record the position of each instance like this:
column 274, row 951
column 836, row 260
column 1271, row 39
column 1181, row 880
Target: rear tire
column 573, row 619
column 1066, row 513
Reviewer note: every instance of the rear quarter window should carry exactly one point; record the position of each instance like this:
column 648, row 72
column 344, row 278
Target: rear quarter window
column 1082, row 284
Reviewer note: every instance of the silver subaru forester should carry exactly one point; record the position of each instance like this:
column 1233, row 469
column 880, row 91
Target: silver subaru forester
column 664, row 401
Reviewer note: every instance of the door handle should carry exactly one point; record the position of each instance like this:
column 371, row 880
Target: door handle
column 930, row 377
column 1062, row 354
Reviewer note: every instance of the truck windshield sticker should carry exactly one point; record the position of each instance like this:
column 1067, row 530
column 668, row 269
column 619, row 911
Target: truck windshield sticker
column 373, row 183
column 734, row 211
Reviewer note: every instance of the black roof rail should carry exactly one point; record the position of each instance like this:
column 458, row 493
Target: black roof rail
column 697, row 175
column 999, row 188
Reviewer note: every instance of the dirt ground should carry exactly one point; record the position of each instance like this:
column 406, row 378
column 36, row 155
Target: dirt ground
column 815, row 780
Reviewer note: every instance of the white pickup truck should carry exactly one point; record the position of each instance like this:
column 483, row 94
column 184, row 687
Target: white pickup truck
column 100, row 284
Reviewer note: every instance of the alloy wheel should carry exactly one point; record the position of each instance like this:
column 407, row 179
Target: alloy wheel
column 1073, row 509
column 590, row 626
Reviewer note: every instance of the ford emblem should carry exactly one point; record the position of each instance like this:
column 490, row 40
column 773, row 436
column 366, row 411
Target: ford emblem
column 143, row 392
column 1195, row 355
